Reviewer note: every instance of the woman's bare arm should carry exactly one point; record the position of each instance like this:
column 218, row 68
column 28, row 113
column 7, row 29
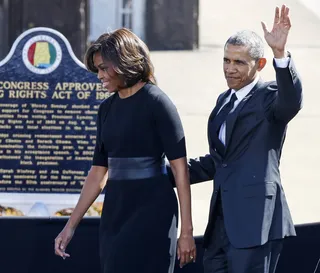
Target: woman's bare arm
column 93, row 185
column 186, row 245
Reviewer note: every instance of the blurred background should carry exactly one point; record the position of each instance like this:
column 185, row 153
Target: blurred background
column 186, row 39
column 162, row 24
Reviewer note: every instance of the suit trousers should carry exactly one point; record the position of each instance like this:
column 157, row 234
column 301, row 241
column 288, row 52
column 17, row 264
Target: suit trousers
column 221, row 257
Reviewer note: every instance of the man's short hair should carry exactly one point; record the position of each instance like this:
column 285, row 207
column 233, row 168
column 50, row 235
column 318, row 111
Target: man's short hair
column 249, row 39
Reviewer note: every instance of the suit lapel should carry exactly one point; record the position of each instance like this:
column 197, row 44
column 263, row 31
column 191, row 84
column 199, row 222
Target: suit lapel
column 214, row 112
column 231, row 121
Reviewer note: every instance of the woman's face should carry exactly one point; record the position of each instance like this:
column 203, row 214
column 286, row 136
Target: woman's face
column 106, row 74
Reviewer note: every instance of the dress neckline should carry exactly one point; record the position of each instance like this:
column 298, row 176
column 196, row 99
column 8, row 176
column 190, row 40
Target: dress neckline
column 133, row 95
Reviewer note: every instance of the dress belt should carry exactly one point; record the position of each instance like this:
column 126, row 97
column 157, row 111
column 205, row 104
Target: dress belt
column 133, row 168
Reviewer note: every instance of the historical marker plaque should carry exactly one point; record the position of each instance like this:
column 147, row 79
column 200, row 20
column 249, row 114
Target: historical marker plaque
column 48, row 108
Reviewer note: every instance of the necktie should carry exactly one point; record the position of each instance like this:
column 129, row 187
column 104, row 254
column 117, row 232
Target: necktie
column 218, row 121
column 222, row 116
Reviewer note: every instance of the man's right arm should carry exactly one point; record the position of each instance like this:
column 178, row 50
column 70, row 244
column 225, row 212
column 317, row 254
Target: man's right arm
column 200, row 169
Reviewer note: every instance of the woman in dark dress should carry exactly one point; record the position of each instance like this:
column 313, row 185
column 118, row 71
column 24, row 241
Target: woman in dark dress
column 137, row 127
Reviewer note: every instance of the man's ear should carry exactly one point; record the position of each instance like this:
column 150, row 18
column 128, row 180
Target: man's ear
column 261, row 63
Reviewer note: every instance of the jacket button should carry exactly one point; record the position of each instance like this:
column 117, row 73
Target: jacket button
column 224, row 165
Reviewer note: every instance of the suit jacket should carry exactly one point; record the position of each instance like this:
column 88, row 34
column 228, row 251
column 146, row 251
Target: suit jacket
column 247, row 175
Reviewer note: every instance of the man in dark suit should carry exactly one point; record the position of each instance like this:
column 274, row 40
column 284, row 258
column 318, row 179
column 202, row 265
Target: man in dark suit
column 249, row 216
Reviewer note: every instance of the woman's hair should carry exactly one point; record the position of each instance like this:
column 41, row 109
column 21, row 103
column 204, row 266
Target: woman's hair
column 127, row 52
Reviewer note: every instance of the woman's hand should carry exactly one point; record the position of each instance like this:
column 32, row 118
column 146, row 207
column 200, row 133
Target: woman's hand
column 186, row 249
column 93, row 185
column 62, row 241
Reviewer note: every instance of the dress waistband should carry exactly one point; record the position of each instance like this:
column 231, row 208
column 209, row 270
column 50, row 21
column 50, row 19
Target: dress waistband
column 135, row 168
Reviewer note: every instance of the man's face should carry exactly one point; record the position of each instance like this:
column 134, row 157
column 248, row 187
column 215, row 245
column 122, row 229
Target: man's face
column 239, row 68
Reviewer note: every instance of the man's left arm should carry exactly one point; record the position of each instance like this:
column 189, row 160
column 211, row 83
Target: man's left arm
column 288, row 100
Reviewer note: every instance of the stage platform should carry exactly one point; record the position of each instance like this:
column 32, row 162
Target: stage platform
column 27, row 246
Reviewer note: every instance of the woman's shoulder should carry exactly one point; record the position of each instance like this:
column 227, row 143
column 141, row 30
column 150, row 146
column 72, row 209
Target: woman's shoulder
column 155, row 93
column 158, row 100
column 106, row 102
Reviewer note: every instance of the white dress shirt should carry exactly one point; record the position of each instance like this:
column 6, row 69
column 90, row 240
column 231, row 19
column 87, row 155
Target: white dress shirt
column 241, row 93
